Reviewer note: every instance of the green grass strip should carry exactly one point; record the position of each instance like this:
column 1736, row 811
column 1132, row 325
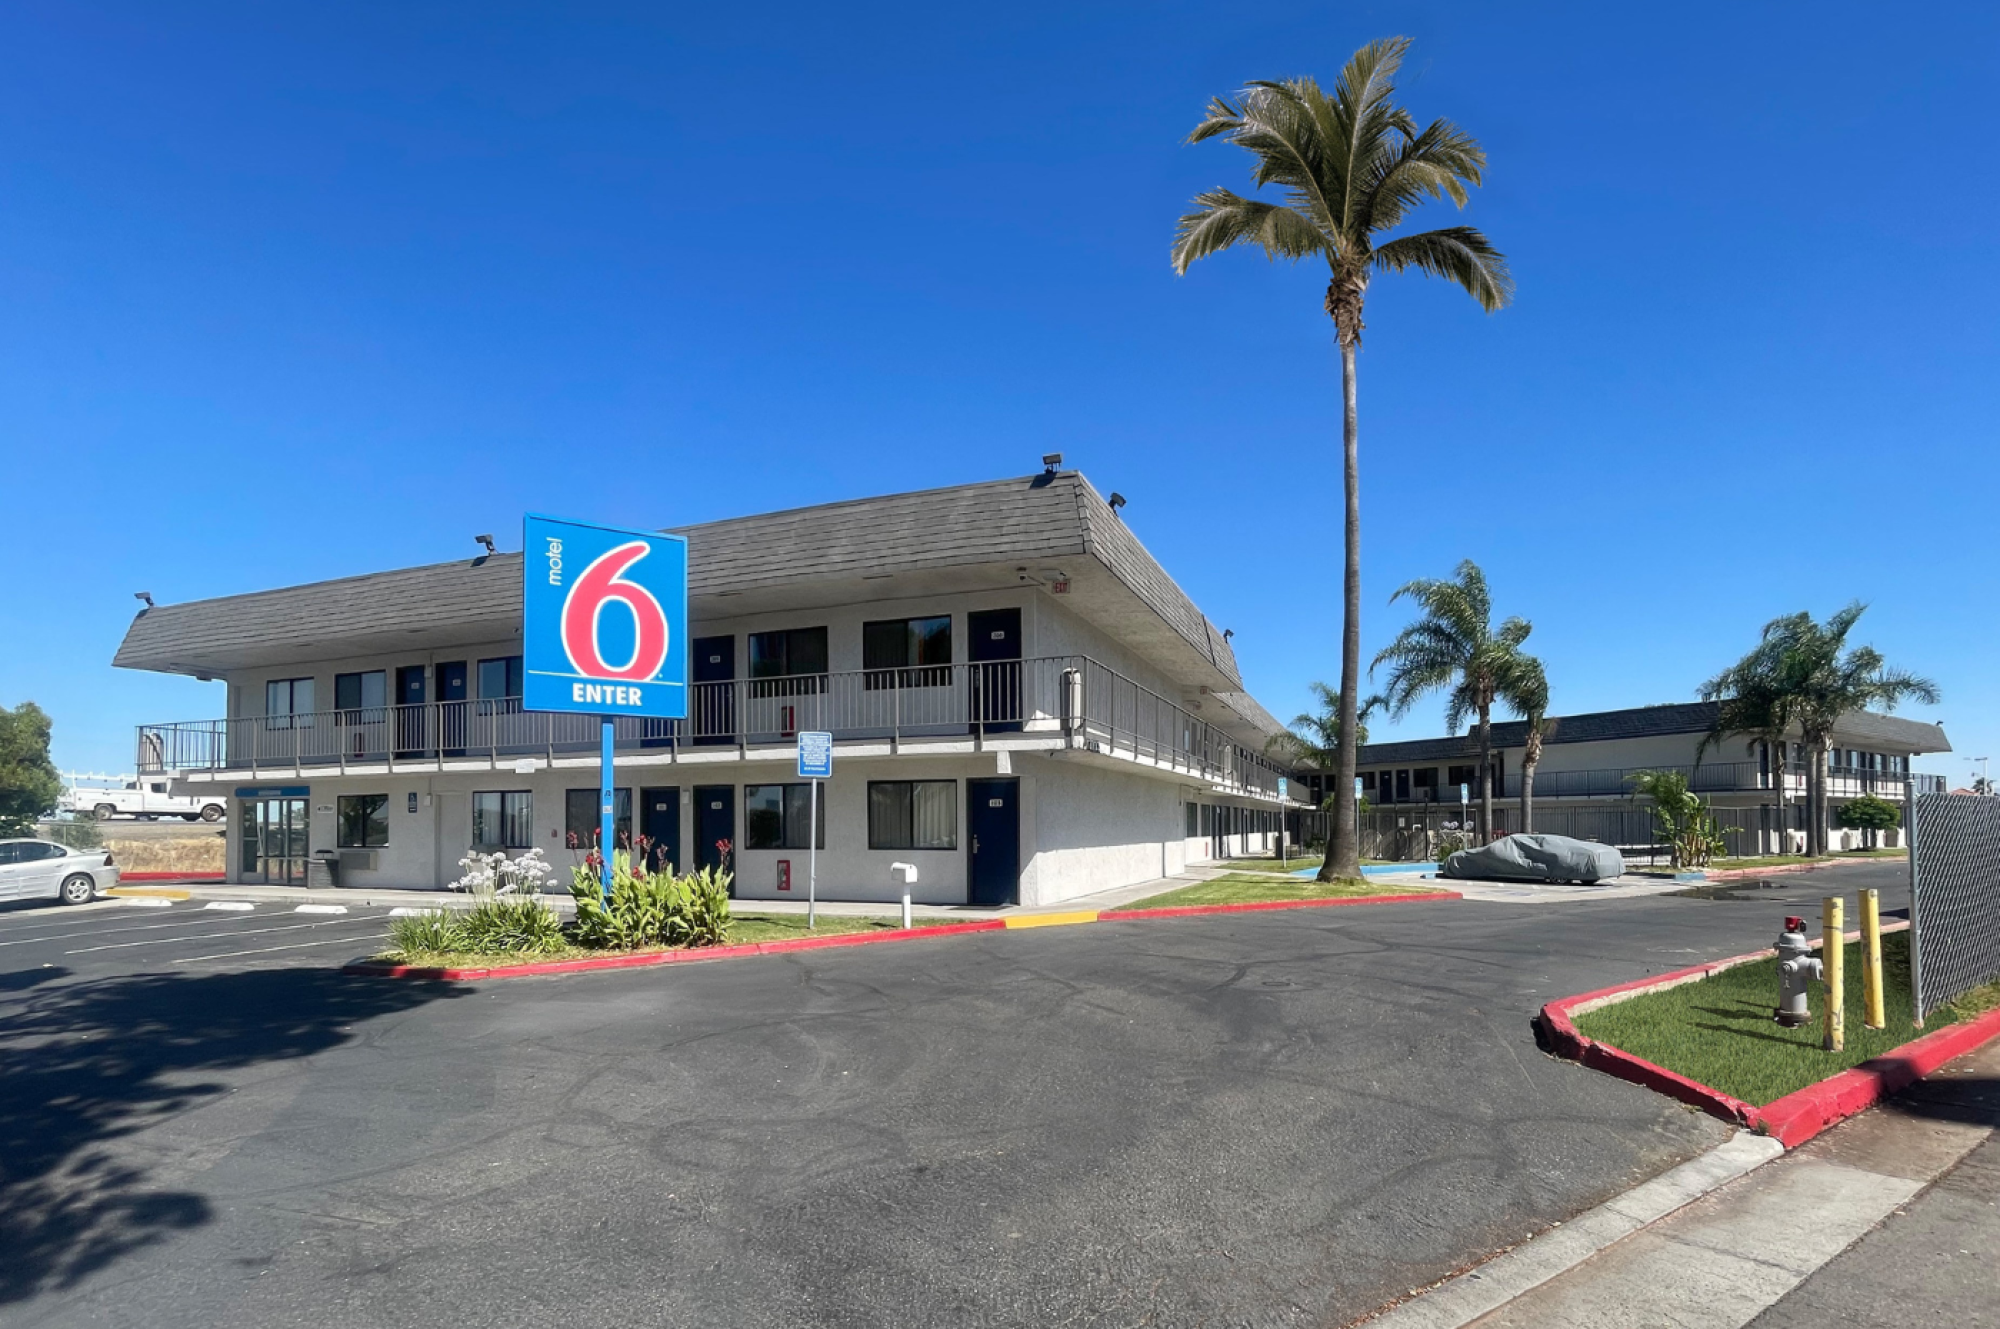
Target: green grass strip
column 1241, row 889
column 1719, row 1031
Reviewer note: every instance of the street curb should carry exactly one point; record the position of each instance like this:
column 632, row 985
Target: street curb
column 1476, row 1290
column 1734, row 874
column 1184, row 911
column 1791, row 1120
column 649, row 959
column 646, row 960
column 144, row 892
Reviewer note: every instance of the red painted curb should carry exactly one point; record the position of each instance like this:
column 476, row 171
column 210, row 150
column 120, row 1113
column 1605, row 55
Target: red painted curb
column 1183, row 911
column 648, row 959
column 191, row 878
column 1791, row 1120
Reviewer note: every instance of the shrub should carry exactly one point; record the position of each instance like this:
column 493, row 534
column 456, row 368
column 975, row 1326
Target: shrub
column 428, row 932
column 510, row 923
column 1869, row 813
column 649, row 909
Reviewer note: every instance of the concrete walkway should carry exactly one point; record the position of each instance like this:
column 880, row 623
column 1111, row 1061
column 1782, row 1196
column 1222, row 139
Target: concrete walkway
column 395, row 897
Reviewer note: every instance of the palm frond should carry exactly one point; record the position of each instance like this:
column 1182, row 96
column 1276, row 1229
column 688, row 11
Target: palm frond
column 1459, row 254
column 1222, row 219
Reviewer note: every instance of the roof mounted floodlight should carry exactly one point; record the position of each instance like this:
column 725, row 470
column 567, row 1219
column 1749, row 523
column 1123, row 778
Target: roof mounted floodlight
column 486, row 540
column 1227, row 633
column 1051, row 460
column 147, row 596
column 1117, row 500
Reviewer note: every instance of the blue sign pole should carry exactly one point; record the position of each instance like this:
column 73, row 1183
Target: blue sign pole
column 607, row 823
column 815, row 764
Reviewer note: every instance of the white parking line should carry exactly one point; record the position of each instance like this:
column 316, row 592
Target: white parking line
column 321, row 909
column 188, row 921
column 199, row 936
column 267, row 950
column 237, row 906
column 146, row 902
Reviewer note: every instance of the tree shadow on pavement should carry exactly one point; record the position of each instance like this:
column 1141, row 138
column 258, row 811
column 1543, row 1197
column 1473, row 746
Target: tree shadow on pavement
column 83, row 1064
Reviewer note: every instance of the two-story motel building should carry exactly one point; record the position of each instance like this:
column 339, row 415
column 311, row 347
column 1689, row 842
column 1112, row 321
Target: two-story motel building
column 1024, row 705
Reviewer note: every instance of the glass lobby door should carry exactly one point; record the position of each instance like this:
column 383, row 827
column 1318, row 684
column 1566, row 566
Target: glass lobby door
column 274, row 838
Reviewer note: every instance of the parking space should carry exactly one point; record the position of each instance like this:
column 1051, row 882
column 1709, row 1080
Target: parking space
column 124, row 936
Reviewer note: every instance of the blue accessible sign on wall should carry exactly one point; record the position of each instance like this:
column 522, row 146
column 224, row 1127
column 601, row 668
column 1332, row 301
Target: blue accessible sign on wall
column 603, row 620
column 815, row 755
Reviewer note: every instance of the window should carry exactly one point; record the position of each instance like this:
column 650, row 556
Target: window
column 1193, row 821
column 907, row 652
column 361, row 698
column 503, row 819
column 915, row 814
column 779, row 816
column 1368, row 780
column 582, row 820
column 798, row 653
column 363, row 821
column 1427, row 779
column 33, row 851
column 500, row 685
column 1461, row 775
column 288, row 703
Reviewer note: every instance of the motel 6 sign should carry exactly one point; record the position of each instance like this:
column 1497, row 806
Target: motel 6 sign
column 603, row 620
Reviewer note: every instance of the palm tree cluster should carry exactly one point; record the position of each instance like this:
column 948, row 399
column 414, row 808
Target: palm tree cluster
column 1351, row 165
column 1454, row 648
column 1801, row 678
column 1312, row 740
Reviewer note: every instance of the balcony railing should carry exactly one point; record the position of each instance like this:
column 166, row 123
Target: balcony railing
column 1708, row 778
column 1071, row 700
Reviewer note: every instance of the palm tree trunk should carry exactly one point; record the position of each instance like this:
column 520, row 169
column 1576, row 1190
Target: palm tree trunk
column 1343, row 855
column 1819, row 836
column 1485, row 772
column 1530, row 759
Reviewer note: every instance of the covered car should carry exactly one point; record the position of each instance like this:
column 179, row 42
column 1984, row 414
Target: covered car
column 1535, row 858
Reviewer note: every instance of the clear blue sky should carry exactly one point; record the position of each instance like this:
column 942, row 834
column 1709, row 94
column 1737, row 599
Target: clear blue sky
column 290, row 292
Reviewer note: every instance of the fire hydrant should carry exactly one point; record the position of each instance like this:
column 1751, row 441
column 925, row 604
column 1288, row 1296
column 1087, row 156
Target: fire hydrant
column 1797, row 966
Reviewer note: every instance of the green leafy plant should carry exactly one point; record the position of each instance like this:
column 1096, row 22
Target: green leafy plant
column 1870, row 815
column 430, row 932
column 1684, row 818
column 649, row 908
column 29, row 785
column 511, row 923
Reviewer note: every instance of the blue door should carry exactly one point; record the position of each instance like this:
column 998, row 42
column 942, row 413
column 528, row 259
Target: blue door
column 714, row 822
column 712, row 698
column 993, row 820
column 411, row 738
column 451, row 689
column 660, row 823
column 994, row 650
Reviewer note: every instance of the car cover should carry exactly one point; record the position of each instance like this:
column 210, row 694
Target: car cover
column 1535, row 858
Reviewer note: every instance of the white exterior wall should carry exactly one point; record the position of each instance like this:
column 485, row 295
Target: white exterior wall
column 1096, row 829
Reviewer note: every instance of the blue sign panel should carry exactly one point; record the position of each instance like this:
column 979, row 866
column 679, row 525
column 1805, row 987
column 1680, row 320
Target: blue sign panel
column 1284, row 789
column 603, row 620
column 815, row 756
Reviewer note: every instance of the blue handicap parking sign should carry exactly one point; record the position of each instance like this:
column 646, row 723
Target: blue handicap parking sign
column 815, row 755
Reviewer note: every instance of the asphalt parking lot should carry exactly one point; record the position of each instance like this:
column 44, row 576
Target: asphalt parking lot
column 1270, row 1119
column 140, row 935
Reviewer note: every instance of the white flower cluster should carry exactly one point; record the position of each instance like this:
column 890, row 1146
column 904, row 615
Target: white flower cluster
column 497, row 874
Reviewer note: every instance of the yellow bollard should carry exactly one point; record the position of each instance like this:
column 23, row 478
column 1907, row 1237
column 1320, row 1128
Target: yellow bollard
column 1871, row 960
column 1832, row 952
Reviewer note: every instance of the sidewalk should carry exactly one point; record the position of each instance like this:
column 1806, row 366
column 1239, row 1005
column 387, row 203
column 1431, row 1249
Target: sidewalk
column 1888, row 1219
column 416, row 898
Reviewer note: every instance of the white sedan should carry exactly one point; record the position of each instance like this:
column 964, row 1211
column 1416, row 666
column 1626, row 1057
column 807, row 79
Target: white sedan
column 38, row 869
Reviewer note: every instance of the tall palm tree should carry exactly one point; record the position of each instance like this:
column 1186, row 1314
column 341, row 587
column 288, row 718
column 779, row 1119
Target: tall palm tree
column 1454, row 646
column 1529, row 694
column 1352, row 164
column 1802, row 673
column 1757, row 703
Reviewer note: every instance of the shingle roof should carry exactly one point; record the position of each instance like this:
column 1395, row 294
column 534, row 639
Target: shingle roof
column 1027, row 520
column 1688, row 717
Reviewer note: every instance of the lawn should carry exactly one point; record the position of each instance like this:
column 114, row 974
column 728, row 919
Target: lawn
column 1780, row 860
column 743, row 930
column 1719, row 1031
column 1238, row 888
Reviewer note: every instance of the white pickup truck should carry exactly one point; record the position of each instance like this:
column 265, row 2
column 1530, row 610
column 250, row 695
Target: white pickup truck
column 132, row 797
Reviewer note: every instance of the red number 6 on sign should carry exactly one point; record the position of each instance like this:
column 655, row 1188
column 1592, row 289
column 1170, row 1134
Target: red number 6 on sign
column 583, row 609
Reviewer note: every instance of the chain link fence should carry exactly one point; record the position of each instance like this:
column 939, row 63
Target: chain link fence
column 1954, row 897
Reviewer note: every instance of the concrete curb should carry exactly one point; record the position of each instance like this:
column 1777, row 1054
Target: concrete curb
column 1791, row 1120
column 1733, row 874
column 1485, row 1287
column 1013, row 922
